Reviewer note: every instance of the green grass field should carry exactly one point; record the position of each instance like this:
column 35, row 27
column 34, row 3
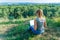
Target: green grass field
column 17, row 30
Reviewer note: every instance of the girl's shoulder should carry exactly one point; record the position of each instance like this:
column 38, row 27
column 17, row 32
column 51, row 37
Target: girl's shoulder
column 44, row 19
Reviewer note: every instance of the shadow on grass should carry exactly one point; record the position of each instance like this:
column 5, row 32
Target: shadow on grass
column 19, row 33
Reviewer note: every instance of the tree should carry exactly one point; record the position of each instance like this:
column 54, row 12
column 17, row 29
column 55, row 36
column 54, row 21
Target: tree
column 45, row 11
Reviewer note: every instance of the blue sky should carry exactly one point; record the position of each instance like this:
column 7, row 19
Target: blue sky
column 33, row 1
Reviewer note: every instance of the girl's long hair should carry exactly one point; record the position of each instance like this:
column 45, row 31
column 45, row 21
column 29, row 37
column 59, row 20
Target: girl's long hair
column 40, row 11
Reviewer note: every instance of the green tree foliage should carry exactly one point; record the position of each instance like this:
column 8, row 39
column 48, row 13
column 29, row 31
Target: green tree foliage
column 28, row 10
column 45, row 11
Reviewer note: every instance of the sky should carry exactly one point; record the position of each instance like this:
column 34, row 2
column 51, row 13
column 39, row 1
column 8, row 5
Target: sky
column 32, row 1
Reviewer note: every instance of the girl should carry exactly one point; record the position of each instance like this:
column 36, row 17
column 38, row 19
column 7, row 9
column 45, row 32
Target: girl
column 39, row 23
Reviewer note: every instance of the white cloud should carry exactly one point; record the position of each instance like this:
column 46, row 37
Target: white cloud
column 36, row 1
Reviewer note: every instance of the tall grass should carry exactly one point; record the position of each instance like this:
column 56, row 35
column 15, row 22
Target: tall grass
column 53, row 22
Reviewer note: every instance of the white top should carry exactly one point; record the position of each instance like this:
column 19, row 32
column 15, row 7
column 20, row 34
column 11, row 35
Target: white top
column 40, row 24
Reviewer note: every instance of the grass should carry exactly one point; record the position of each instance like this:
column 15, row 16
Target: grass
column 16, row 21
column 20, row 32
column 54, row 22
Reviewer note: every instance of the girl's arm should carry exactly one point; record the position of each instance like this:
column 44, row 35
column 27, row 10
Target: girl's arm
column 35, row 25
column 45, row 24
